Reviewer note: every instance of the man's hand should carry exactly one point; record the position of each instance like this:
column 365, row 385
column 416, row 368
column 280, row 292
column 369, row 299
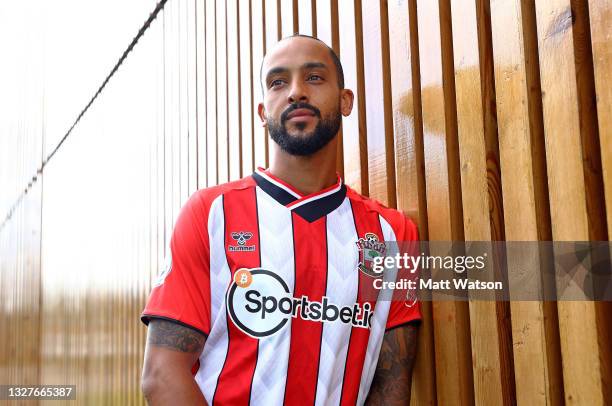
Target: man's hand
column 393, row 376
column 171, row 352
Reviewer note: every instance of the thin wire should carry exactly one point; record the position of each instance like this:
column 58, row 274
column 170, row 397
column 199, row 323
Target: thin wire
column 159, row 7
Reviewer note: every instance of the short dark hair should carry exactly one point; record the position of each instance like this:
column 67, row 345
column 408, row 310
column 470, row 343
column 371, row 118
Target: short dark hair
column 332, row 53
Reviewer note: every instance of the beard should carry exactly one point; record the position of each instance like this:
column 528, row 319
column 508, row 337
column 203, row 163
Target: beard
column 307, row 143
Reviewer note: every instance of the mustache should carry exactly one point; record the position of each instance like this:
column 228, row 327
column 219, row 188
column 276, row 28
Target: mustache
column 296, row 106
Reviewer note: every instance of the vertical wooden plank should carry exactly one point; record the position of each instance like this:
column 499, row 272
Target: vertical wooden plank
column 490, row 332
column 578, row 327
column 335, row 28
column 361, row 97
column 381, row 164
column 354, row 136
column 183, row 101
column 233, row 96
column 246, row 87
column 211, row 93
column 190, row 34
column 167, row 147
column 305, row 17
column 259, row 37
column 410, row 190
column 328, row 32
column 525, row 196
column 222, row 100
column 273, row 33
column 454, row 380
column 286, row 11
column 323, row 20
column 176, row 106
column 587, row 110
column 201, row 85
column 406, row 161
column 601, row 32
column 272, row 36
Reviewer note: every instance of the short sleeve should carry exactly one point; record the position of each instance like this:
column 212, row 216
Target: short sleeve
column 182, row 291
column 405, row 307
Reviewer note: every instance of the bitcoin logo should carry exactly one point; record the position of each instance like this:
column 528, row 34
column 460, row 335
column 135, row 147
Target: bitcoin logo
column 243, row 278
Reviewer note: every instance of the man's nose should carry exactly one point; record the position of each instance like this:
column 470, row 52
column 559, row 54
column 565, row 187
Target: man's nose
column 298, row 92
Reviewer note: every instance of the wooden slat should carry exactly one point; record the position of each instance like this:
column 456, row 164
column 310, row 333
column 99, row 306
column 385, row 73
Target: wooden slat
column 258, row 34
column 601, row 32
column 323, row 19
column 378, row 103
column 189, row 29
column 211, row 93
column 246, row 87
column 222, row 96
column 582, row 364
column 273, row 34
column 491, row 351
column 168, row 193
column 174, row 64
column 183, row 102
column 354, row 136
column 305, row 17
column 271, row 23
column 600, row 13
column 406, row 144
column 336, row 47
column 409, row 159
column 589, row 131
column 159, row 174
column 454, row 381
column 328, row 32
column 287, row 20
column 525, row 194
column 234, row 124
column 200, row 98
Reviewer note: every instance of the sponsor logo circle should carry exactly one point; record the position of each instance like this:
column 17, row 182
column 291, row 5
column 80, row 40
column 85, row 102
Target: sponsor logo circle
column 253, row 309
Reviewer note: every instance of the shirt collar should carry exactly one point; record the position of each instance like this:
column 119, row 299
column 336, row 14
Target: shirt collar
column 310, row 207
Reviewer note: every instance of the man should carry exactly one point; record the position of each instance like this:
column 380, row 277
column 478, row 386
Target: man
column 265, row 300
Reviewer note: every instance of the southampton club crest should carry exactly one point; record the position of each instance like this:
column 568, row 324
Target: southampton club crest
column 369, row 248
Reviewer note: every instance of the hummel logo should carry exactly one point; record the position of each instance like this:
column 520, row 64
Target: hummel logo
column 241, row 237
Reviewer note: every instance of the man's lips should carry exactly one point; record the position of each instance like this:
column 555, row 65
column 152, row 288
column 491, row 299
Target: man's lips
column 300, row 113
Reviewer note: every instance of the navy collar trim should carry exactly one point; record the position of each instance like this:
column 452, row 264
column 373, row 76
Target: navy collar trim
column 309, row 207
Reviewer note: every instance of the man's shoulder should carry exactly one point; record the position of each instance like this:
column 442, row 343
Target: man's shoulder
column 396, row 218
column 371, row 204
column 204, row 198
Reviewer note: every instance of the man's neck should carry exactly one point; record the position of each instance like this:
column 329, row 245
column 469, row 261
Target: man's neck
column 308, row 174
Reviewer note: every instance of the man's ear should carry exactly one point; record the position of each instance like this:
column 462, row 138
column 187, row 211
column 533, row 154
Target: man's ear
column 346, row 101
column 261, row 112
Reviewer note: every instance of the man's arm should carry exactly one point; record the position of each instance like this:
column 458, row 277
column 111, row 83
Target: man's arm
column 171, row 352
column 393, row 376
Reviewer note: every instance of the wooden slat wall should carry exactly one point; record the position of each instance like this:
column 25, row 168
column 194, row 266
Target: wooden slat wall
column 480, row 119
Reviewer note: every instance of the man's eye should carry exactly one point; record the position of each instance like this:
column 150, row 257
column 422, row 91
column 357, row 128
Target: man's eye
column 315, row 77
column 276, row 82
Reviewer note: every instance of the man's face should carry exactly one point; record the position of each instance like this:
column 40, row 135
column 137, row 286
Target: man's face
column 303, row 104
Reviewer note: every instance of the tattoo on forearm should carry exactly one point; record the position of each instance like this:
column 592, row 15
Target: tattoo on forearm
column 392, row 379
column 174, row 336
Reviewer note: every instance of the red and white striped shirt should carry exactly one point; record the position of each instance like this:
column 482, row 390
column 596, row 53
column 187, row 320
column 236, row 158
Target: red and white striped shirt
column 275, row 281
